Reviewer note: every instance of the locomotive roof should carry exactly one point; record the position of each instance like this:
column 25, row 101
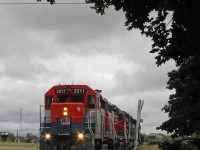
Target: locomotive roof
column 71, row 86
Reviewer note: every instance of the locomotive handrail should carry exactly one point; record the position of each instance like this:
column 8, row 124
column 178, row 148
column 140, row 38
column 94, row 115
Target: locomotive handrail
column 113, row 128
column 66, row 117
column 102, row 124
column 41, row 117
column 88, row 124
column 89, row 120
column 110, row 125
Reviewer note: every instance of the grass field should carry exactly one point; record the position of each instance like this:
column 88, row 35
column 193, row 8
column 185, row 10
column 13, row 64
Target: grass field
column 146, row 146
column 11, row 144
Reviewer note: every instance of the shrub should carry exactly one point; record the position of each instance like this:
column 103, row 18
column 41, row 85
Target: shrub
column 185, row 144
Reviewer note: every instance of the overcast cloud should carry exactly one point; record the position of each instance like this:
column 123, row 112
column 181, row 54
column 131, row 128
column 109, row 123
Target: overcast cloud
column 44, row 45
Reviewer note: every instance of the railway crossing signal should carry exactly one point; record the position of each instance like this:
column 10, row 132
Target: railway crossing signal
column 140, row 105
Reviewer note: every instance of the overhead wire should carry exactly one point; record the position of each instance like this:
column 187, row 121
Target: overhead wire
column 39, row 3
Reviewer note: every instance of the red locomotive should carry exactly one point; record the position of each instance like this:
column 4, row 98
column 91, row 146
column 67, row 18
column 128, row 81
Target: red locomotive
column 78, row 117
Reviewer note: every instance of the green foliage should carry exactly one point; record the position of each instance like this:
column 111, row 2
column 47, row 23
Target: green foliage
column 31, row 136
column 11, row 137
column 146, row 138
column 100, row 10
column 166, row 138
column 50, row 1
column 183, row 106
column 186, row 144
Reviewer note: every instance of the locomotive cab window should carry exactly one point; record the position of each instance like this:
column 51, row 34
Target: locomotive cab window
column 121, row 116
column 62, row 99
column 108, row 107
column 91, row 101
column 102, row 103
column 77, row 98
column 49, row 100
column 115, row 110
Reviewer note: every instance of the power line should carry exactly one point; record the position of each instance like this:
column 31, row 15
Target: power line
column 38, row 3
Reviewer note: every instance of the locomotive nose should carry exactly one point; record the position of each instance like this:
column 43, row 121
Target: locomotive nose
column 74, row 111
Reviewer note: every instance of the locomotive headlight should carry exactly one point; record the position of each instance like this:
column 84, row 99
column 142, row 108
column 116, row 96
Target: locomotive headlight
column 80, row 136
column 47, row 136
column 65, row 113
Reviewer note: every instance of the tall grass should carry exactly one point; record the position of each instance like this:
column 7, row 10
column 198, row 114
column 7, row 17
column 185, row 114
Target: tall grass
column 146, row 146
column 12, row 144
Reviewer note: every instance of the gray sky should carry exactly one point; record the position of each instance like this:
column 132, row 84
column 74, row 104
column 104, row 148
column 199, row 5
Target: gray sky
column 44, row 45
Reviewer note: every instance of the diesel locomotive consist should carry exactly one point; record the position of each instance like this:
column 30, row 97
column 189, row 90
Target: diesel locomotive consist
column 76, row 117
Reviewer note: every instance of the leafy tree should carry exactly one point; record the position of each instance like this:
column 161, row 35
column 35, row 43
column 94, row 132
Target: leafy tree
column 31, row 136
column 176, row 38
column 11, row 137
column 51, row 1
column 183, row 106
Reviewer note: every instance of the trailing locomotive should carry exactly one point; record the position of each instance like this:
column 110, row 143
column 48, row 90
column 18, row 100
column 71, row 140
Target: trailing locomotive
column 78, row 117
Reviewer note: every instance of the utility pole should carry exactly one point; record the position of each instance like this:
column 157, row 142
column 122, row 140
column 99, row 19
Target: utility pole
column 20, row 124
column 17, row 137
column 140, row 105
column 40, row 118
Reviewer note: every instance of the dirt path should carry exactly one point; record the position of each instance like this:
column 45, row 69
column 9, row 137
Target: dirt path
column 17, row 148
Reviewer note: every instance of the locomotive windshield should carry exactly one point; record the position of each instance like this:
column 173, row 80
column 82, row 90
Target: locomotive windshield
column 62, row 98
column 77, row 98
